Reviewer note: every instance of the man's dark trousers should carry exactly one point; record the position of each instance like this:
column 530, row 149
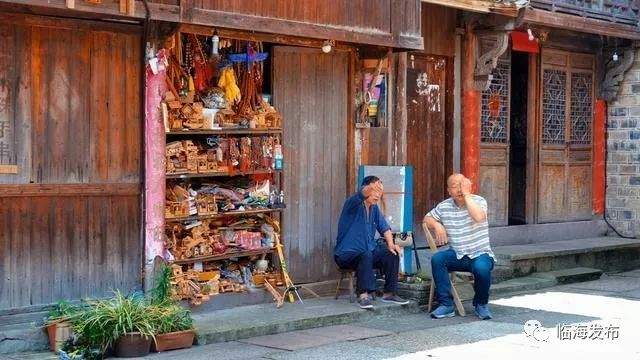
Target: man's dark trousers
column 364, row 263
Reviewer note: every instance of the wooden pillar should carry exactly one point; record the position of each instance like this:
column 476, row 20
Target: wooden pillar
column 154, row 177
column 598, row 166
column 399, row 122
column 470, row 127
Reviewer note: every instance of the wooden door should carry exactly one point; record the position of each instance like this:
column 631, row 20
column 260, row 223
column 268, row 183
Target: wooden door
column 495, row 143
column 566, row 111
column 70, row 113
column 310, row 88
column 426, row 136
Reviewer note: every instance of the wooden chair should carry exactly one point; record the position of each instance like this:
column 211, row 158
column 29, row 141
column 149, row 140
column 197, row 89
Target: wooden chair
column 350, row 275
column 452, row 275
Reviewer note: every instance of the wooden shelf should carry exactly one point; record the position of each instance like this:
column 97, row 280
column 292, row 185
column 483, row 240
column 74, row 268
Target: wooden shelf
column 228, row 131
column 233, row 254
column 222, row 214
column 220, row 174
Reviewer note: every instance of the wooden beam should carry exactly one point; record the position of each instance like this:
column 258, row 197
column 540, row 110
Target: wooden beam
column 57, row 190
column 470, row 164
column 187, row 13
column 598, row 167
column 301, row 29
column 65, row 23
column 400, row 116
column 479, row 6
column 576, row 23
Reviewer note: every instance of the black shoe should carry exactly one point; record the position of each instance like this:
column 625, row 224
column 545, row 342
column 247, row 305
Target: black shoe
column 395, row 299
column 365, row 303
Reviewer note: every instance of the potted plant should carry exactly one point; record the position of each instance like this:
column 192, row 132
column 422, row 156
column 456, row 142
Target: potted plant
column 59, row 327
column 174, row 328
column 124, row 323
column 173, row 323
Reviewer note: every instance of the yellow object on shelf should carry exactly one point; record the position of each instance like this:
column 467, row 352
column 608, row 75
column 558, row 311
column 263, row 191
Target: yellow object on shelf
column 229, row 84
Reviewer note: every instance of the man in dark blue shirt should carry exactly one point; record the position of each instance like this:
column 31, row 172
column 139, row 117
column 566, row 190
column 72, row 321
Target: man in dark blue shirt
column 356, row 246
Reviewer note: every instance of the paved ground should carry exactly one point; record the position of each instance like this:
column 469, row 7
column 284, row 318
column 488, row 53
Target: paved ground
column 601, row 318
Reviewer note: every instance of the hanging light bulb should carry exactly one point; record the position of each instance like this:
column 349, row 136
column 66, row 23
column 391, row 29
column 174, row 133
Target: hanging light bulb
column 615, row 55
column 327, row 45
column 215, row 43
column 530, row 33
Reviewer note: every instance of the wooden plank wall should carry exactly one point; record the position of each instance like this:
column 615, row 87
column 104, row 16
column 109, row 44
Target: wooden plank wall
column 439, row 29
column 70, row 219
column 366, row 14
column 311, row 91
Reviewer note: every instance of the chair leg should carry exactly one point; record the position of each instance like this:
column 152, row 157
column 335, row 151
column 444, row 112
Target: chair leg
column 338, row 287
column 456, row 298
column 457, row 301
column 431, row 293
column 352, row 294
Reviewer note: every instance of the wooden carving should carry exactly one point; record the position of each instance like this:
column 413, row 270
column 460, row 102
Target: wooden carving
column 486, row 62
column 615, row 73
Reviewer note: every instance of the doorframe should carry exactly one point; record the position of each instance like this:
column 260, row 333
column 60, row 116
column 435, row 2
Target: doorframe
column 533, row 148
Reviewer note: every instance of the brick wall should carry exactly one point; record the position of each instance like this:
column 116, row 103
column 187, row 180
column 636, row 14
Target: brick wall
column 623, row 155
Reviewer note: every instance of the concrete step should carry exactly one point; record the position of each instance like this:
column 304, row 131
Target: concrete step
column 22, row 337
column 607, row 253
column 264, row 319
column 542, row 233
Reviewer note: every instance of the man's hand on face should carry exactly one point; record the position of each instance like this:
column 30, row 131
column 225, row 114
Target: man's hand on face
column 374, row 189
column 465, row 186
column 441, row 235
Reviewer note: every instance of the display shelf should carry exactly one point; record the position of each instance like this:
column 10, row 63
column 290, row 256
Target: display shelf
column 232, row 131
column 227, row 255
column 220, row 174
column 221, row 214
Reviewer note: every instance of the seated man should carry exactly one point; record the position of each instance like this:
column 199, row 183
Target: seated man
column 461, row 220
column 356, row 247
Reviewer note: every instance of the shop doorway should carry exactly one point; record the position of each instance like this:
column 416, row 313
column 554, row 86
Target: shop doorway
column 518, row 139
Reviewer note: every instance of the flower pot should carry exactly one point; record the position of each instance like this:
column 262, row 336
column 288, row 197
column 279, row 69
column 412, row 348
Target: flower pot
column 58, row 332
column 132, row 345
column 174, row 340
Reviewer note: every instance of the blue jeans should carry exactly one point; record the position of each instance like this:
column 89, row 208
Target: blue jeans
column 445, row 261
column 364, row 263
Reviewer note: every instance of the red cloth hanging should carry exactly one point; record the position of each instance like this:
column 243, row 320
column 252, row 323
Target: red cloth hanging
column 520, row 42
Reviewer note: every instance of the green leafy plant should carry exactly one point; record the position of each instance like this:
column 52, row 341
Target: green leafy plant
column 61, row 311
column 161, row 293
column 104, row 321
column 172, row 318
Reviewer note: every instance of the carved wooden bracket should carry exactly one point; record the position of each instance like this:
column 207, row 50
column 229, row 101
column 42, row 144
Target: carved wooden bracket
column 615, row 73
column 486, row 62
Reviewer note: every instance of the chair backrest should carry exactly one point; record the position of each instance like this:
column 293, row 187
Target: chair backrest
column 430, row 240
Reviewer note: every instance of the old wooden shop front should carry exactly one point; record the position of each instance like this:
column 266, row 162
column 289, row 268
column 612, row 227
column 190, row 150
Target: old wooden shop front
column 83, row 154
column 534, row 107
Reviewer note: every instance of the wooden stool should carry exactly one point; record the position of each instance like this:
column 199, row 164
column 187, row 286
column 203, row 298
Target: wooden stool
column 350, row 274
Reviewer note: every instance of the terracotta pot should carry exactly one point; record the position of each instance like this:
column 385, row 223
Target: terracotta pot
column 133, row 345
column 174, row 340
column 58, row 332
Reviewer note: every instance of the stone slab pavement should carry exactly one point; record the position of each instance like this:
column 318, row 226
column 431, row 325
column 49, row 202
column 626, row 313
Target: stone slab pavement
column 590, row 320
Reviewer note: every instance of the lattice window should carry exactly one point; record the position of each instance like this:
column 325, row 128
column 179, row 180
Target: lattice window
column 495, row 105
column 581, row 108
column 553, row 106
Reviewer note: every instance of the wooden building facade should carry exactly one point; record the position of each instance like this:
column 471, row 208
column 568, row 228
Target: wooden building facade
column 75, row 219
column 533, row 135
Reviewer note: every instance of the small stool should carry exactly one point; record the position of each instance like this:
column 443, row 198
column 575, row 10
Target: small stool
column 350, row 274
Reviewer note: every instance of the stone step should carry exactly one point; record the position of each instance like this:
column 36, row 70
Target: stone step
column 264, row 319
column 543, row 233
column 606, row 253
